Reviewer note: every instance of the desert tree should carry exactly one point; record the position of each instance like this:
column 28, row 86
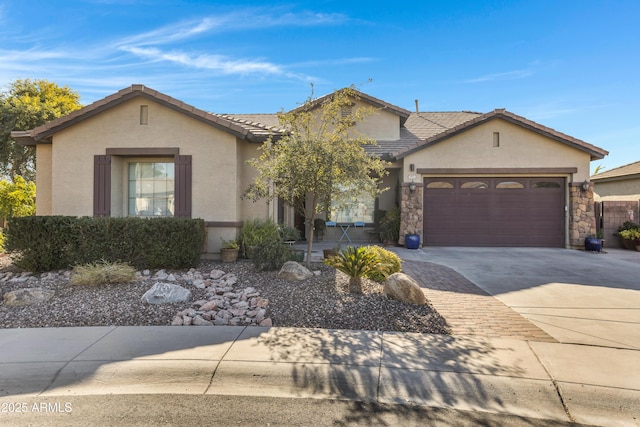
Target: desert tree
column 25, row 105
column 317, row 156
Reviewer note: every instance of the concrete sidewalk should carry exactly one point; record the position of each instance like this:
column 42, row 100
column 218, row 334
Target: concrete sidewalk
column 539, row 380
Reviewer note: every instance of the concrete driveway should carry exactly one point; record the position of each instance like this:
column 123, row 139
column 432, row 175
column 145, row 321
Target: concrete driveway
column 576, row 297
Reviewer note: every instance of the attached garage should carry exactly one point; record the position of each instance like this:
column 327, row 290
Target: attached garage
column 481, row 211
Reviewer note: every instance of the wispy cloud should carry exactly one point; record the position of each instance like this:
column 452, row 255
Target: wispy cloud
column 206, row 61
column 339, row 61
column 148, row 45
column 171, row 33
column 509, row 75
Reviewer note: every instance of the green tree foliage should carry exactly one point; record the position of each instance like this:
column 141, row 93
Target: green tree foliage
column 26, row 105
column 320, row 155
column 17, row 198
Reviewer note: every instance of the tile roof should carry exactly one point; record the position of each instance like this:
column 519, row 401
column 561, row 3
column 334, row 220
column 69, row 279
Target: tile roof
column 418, row 130
column 454, row 129
column 44, row 133
column 378, row 103
column 622, row 172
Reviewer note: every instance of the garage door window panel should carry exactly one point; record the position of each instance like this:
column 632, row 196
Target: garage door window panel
column 474, row 185
column 510, row 185
column 442, row 185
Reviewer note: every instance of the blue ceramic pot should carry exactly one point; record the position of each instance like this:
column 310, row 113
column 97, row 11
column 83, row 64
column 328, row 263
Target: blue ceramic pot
column 592, row 244
column 412, row 241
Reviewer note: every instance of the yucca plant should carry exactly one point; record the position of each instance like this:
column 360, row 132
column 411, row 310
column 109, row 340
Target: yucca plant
column 355, row 263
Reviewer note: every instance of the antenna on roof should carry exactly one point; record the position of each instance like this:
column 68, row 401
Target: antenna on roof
column 417, row 110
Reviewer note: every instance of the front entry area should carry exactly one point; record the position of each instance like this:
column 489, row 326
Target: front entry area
column 481, row 211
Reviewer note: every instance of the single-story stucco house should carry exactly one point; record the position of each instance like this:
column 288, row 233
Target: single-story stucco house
column 459, row 178
column 621, row 183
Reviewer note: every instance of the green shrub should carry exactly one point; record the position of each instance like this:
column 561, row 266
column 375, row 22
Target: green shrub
column 288, row 234
column 44, row 243
column 356, row 263
column 628, row 225
column 389, row 263
column 389, row 225
column 257, row 231
column 272, row 255
column 102, row 273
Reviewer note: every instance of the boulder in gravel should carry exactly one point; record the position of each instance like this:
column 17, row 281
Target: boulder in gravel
column 403, row 288
column 27, row 296
column 294, row 272
column 166, row 293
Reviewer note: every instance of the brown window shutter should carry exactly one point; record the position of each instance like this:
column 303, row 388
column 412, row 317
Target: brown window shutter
column 101, row 185
column 183, row 186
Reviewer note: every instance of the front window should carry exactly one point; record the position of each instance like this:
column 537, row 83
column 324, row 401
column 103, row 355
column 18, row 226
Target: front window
column 353, row 208
column 151, row 189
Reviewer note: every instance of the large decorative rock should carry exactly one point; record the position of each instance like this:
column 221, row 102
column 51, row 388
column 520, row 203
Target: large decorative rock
column 27, row 296
column 294, row 272
column 403, row 288
column 166, row 293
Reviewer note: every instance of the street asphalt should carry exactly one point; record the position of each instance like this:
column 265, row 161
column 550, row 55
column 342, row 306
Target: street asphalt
column 590, row 376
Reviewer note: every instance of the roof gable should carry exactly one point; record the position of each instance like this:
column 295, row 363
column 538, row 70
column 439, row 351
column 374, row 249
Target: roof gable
column 375, row 102
column 44, row 133
column 595, row 152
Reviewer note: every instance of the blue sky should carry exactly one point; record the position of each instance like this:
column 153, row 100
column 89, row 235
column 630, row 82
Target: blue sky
column 572, row 65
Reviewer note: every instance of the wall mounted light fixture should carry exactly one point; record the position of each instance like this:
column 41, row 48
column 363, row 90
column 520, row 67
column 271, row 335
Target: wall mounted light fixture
column 585, row 185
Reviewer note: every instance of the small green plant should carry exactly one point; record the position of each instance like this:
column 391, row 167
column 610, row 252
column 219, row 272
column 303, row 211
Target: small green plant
column 631, row 234
column 230, row 244
column 390, row 225
column 272, row 255
column 102, row 273
column 356, row 263
column 389, row 263
column 288, row 234
column 628, row 225
column 257, row 231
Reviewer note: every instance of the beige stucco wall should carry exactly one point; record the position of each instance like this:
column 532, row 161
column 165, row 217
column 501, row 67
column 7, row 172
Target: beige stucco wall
column 382, row 125
column 622, row 190
column 519, row 148
column 247, row 208
column 217, row 175
column 213, row 154
column 388, row 199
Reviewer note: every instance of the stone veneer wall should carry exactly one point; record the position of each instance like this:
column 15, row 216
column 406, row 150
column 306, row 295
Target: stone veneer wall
column 582, row 218
column 411, row 212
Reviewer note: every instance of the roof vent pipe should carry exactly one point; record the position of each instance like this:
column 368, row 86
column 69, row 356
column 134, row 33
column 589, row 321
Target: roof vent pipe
column 417, row 110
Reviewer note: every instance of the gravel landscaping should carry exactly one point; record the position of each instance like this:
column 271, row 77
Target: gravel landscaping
column 319, row 302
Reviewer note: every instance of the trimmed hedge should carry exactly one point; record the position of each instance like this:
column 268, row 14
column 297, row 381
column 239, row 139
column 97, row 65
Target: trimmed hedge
column 44, row 243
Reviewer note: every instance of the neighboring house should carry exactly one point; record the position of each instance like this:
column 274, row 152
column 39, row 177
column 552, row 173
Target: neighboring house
column 460, row 178
column 617, row 193
column 621, row 183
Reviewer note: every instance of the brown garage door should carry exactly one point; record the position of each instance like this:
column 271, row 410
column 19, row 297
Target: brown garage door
column 494, row 212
